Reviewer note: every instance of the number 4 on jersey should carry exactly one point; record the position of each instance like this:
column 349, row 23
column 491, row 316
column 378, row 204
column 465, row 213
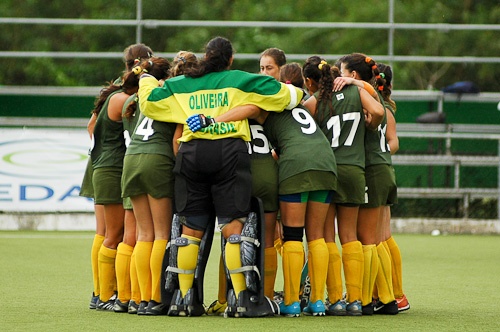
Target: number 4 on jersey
column 145, row 128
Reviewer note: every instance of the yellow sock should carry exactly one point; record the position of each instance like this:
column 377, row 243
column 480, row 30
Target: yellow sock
column 270, row 270
column 334, row 275
column 293, row 261
column 221, row 296
column 384, row 276
column 318, row 256
column 143, row 268
column 135, row 290
column 233, row 261
column 156, row 262
column 107, row 276
column 122, row 267
column 278, row 245
column 187, row 258
column 397, row 275
column 370, row 272
column 353, row 261
column 94, row 258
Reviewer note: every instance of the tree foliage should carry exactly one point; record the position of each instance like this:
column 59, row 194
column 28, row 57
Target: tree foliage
column 91, row 72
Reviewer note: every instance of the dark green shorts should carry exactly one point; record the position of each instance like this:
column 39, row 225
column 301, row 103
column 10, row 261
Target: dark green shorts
column 320, row 196
column 148, row 174
column 308, row 181
column 350, row 185
column 381, row 184
column 87, row 188
column 265, row 182
column 107, row 189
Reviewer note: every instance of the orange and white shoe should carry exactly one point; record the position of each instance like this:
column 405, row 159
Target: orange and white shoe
column 403, row 304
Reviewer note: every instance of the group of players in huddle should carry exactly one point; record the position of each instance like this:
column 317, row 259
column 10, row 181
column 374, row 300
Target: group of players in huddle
column 176, row 147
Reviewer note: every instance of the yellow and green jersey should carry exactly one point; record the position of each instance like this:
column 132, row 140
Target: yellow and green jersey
column 212, row 95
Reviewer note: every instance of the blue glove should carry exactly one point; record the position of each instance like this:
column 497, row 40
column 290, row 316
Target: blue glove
column 199, row 121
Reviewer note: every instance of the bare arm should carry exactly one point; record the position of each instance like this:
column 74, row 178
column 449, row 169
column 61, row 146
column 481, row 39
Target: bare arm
column 390, row 134
column 91, row 124
column 340, row 82
column 239, row 113
column 310, row 104
column 374, row 108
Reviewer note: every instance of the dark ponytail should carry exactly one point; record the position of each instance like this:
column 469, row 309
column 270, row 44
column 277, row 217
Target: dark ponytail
column 319, row 70
column 383, row 84
column 217, row 58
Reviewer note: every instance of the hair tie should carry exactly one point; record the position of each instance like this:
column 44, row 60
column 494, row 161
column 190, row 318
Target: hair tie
column 136, row 61
column 182, row 59
column 137, row 70
column 323, row 62
column 145, row 70
column 368, row 59
column 382, row 75
column 374, row 67
column 288, row 82
column 378, row 76
column 381, row 88
column 150, row 55
column 150, row 63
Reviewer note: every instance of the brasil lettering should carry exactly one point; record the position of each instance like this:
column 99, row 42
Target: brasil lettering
column 208, row 100
column 219, row 128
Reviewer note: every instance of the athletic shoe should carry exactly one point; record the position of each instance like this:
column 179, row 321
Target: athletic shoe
column 132, row 307
column 105, row 306
column 315, row 309
column 390, row 308
column 143, row 306
column 120, row 306
column 93, row 301
column 336, row 309
column 217, row 308
column 354, row 308
column 367, row 309
column 156, row 308
column 278, row 296
column 292, row 310
column 403, row 304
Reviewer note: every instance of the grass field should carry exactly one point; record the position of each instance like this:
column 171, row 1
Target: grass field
column 452, row 283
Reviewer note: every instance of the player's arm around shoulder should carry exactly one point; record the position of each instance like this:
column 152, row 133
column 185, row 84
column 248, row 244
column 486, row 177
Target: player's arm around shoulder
column 373, row 107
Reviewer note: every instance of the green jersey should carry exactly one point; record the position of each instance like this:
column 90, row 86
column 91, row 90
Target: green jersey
column 108, row 143
column 377, row 150
column 259, row 146
column 152, row 137
column 129, row 123
column 301, row 144
column 345, row 129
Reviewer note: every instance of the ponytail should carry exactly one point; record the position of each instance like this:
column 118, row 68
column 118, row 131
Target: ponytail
column 317, row 69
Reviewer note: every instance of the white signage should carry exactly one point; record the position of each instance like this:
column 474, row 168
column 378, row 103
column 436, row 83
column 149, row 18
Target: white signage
column 41, row 170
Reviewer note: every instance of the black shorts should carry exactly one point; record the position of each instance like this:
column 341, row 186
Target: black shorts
column 213, row 174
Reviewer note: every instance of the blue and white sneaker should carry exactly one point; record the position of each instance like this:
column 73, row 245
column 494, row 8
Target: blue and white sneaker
column 315, row 309
column 337, row 309
column 354, row 308
column 292, row 310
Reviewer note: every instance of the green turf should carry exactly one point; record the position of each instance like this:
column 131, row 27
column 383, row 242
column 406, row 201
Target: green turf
column 452, row 283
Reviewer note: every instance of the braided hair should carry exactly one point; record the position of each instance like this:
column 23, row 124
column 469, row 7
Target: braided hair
column 384, row 84
column 318, row 70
